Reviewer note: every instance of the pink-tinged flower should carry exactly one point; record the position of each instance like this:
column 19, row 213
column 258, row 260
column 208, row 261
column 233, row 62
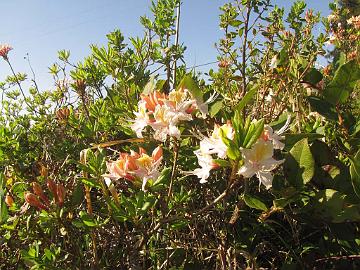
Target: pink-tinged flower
column 121, row 168
column 214, row 144
column 4, row 50
column 275, row 137
column 163, row 113
column 136, row 166
column 153, row 99
column 164, row 123
column 206, row 164
column 259, row 161
column 148, row 166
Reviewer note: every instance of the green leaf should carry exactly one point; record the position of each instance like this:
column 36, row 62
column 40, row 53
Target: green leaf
column 188, row 83
column 91, row 182
column 313, row 76
column 216, row 107
column 3, row 208
column 299, row 164
column 355, row 173
column 150, row 86
column 87, row 219
column 163, row 180
column 292, row 139
column 247, row 98
column 222, row 163
column 323, row 107
column 235, row 23
column 254, row 133
column 340, row 88
column 254, row 202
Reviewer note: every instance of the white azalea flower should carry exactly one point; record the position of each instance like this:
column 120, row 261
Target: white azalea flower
column 142, row 119
column 215, row 144
column 203, row 106
column 206, row 165
column 275, row 137
column 165, row 123
column 259, row 161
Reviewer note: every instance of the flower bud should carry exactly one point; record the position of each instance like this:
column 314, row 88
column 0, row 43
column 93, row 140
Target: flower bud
column 33, row 200
column 52, row 187
column 39, row 192
column 9, row 200
column 60, row 192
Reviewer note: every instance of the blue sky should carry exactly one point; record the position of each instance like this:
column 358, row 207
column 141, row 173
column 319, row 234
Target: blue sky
column 42, row 27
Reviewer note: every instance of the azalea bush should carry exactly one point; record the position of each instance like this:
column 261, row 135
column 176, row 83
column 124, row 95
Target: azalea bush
column 253, row 165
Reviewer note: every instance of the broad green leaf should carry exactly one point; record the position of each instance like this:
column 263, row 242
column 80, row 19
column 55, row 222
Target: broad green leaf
column 299, row 164
column 333, row 205
column 255, row 203
column 313, row 76
column 323, row 107
column 222, row 162
column 340, row 88
column 163, row 180
column 292, row 139
column 233, row 151
column 355, row 173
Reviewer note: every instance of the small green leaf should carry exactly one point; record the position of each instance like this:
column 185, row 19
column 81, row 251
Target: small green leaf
column 222, row 163
column 87, row 219
column 247, row 98
column 254, row 133
column 254, row 202
column 3, row 208
column 216, row 107
column 91, row 182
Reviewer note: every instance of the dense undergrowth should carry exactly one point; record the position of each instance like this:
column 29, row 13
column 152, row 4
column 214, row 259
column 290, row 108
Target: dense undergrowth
column 253, row 165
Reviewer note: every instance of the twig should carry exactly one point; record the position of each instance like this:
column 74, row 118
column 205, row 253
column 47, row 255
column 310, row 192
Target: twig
column 173, row 171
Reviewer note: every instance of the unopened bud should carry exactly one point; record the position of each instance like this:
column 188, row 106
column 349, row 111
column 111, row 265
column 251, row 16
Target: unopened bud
column 9, row 200
column 33, row 200
column 51, row 186
column 60, row 192
column 39, row 192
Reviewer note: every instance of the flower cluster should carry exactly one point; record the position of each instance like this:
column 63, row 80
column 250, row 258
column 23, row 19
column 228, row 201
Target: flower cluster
column 136, row 166
column 209, row 146
column 163, row 112
column 258, row 160
column 38, row 198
